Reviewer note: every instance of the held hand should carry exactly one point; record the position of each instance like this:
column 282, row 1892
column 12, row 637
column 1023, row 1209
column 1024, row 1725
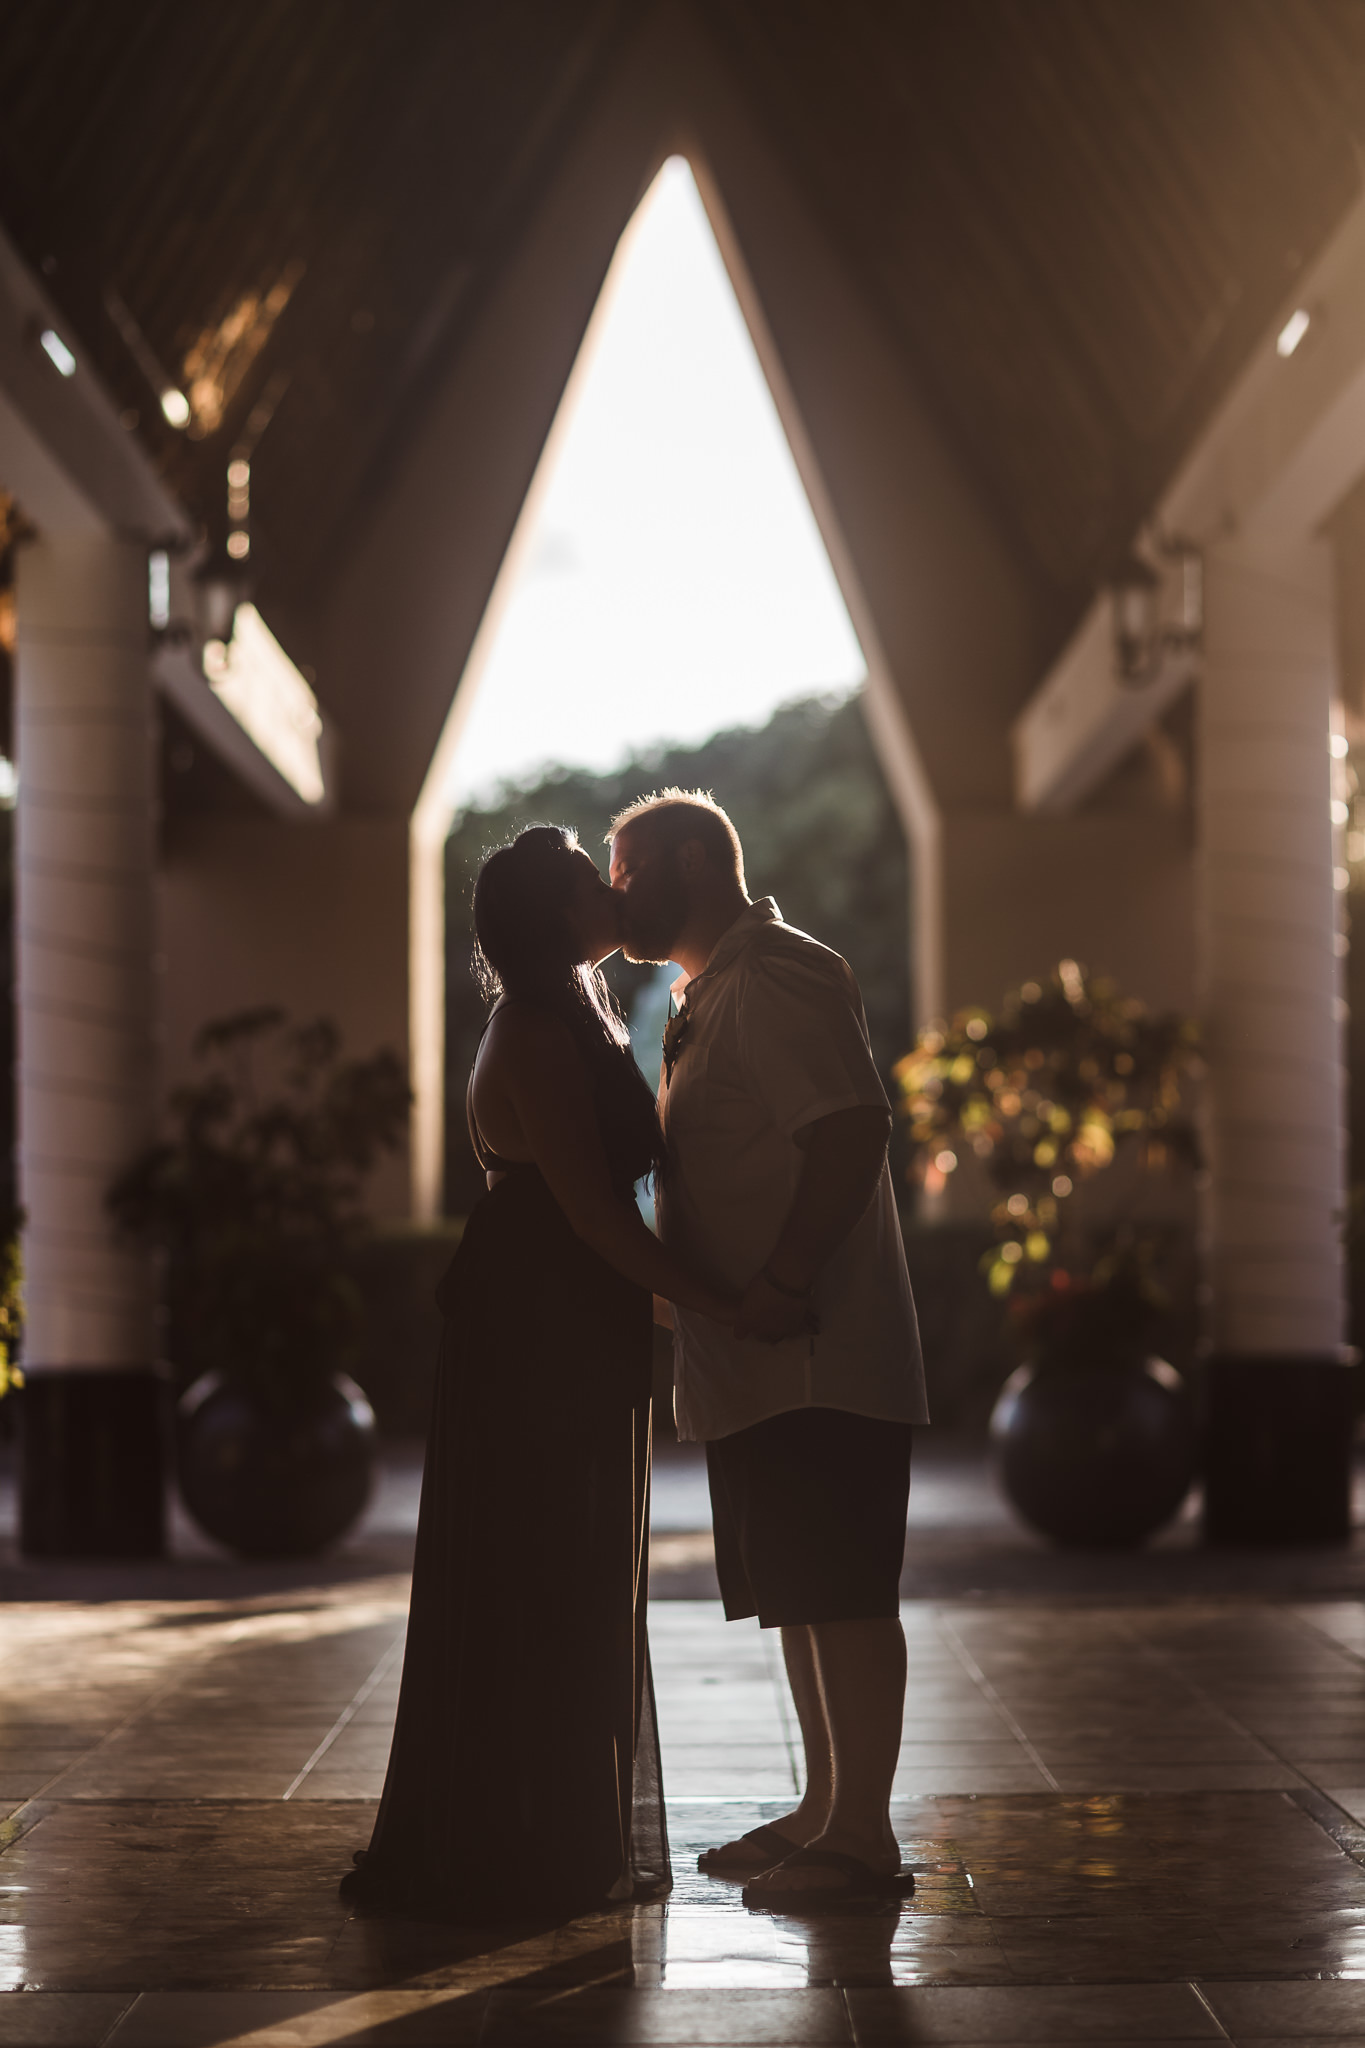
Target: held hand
column 717, row 1308
column 771, row 1317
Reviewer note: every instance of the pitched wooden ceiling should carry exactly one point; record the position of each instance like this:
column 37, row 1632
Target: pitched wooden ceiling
column 284, row 208
column 1075, row 216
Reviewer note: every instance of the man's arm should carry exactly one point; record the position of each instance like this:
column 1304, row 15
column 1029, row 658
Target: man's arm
column 845, row 1153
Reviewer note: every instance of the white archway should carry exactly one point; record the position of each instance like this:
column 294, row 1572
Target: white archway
column 948, row 620
column 442, row 789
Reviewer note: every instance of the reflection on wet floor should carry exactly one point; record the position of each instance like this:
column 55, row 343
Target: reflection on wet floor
column 1136, row 1823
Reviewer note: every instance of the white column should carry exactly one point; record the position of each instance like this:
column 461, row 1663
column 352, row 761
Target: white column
column 427, row 1011
column 85, row 942
column 1272, row 1008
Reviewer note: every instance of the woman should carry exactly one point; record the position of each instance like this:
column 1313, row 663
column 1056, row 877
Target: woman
column 524, row 1770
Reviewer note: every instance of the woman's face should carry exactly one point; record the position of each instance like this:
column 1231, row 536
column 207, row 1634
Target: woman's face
column 593, row 912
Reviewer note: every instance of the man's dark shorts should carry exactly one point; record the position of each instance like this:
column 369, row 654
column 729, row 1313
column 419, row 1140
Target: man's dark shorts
column 809, row 1513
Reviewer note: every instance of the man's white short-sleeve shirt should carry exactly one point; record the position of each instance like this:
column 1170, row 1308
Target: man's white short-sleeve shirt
column 776, row 1038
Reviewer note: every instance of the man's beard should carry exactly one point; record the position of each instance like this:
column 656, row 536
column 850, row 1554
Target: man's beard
column 652, row 931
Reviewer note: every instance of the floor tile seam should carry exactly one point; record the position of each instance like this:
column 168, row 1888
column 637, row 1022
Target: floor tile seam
column 509, row 1997
column 1167, row 1660
column 1305, row 1621
column 92, row 1801
column 349, row 1712
column 1202, row 1996
column 1337, row 1822
column 148, row 1705
column 664, row 1995
column 723, row 1799
column 989, row 1693
column 108, row 2037
column 24, row 1819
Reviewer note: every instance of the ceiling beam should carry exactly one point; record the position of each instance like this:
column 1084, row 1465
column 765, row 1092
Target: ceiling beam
column 72, row 467
column 63, row 452
column 1279, row 456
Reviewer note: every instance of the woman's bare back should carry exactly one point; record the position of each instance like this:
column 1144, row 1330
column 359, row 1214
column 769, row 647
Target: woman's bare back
column 492, row 1113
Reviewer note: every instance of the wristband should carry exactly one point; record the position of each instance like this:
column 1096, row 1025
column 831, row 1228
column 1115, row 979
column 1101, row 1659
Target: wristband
column 792, row 1293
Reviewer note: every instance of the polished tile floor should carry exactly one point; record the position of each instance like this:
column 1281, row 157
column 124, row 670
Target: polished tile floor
column 1129, row 1823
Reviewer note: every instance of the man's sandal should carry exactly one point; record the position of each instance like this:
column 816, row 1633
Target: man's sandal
column 759, row 1850
column 861, row 1883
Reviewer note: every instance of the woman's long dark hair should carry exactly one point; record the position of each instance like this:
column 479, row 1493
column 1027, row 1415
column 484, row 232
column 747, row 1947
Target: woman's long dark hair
column 521, row 900
column 527, row 950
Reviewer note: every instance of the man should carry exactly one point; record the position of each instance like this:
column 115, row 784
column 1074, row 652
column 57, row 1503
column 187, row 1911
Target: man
column 778, row 1191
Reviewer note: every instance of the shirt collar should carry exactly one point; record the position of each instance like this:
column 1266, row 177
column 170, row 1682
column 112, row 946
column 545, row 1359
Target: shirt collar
column 732, row 941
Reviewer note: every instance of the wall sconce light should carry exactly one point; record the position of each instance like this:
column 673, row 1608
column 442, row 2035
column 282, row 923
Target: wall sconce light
column 1157, row 601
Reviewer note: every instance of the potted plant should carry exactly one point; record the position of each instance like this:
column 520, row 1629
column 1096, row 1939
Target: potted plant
column 1094, row 1434
column 255, row 1202
column 11, row 1304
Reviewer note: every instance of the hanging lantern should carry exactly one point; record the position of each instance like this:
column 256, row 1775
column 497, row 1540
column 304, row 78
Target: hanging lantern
column 1135, row 598
column 1158, row 610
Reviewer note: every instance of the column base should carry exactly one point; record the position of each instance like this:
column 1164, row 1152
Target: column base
column 92, row 1464
column 1277, row 1449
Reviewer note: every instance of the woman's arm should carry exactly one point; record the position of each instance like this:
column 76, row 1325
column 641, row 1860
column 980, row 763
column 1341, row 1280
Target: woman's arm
column 543, row 1077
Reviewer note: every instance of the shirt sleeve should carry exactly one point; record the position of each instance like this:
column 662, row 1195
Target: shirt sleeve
column 804, row 1039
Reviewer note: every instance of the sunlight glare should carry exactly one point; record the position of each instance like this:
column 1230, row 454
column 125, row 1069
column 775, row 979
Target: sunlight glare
column 675, row 582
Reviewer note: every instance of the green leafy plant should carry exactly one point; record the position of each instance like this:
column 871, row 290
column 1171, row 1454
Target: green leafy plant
column 256, row 1199
column 820, row 832
column 1106, row 1317
column 1045, row 1095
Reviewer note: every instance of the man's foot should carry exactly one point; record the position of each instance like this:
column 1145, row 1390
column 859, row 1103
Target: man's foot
column 813, row 1880
column 760, row 1849
column 880, row 1859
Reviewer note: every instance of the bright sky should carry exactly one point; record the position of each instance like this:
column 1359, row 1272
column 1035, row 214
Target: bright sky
column 676, row 582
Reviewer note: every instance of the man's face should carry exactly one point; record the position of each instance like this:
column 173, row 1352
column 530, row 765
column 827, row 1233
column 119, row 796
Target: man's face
column 648, row 878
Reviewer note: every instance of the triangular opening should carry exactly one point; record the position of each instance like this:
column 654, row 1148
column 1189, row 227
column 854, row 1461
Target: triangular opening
column 669, row 578
column 666, row 578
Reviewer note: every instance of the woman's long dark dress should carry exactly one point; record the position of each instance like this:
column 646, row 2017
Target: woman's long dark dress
column 524, row 1773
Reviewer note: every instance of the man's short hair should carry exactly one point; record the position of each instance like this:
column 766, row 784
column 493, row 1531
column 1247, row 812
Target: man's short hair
column 673, row 816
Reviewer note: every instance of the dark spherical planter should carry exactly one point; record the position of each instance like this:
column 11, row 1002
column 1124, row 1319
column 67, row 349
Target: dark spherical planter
column 274, row 1482
column 1095, row 1456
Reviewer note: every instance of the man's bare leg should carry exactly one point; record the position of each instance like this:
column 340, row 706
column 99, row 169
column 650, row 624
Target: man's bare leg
column 861, row 1668
column 812, row 1816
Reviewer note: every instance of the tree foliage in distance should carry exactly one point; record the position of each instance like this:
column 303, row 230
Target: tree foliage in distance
column 1045, row 1094
column 820, row 833
column 256, row 1200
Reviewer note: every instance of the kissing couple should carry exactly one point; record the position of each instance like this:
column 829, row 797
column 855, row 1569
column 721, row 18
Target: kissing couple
column 524, row 1775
